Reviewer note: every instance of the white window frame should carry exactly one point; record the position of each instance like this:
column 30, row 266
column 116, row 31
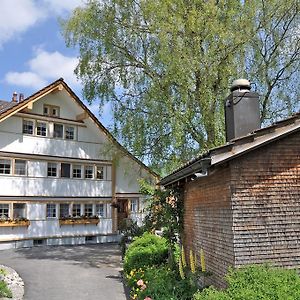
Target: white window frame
column 57, row 169
column 80, row 210
column 93, row 172
column 25, row 210
column 10, row 166
column 134, row 205
column 65, row 132
column 25, row 169
column 36, row 128
column 2, row 209
column 97, row 210
column 33, row 126
column 85, row 209
column 50, row 210
column 73, row 168
column 103, row 172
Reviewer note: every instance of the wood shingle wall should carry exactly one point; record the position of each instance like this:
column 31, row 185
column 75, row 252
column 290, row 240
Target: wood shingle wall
column 208, row 222
column 266, row 204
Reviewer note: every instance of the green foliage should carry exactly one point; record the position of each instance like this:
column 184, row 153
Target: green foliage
column 147, row 250
column 160, row 283
column 164, row 211
column 165, row 67
column 256, row 282
column 4, row 290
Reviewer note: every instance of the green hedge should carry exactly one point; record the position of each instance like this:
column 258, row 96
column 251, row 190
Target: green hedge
column 144, row 251
column 256, row 282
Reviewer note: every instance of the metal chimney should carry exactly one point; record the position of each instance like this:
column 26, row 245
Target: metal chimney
column 242, row 114
column 21, row 97
column 14, row 97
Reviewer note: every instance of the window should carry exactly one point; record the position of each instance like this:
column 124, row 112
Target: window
column 52, row 169
column 65, row 170
column 4, row 211
column 64, row 210
column 41, row 128
column 5, row 166
column 55, row 111
column 100, row 212
column 76, row 171
column 58, row 130
column 27, row 126
column 76, row 211
column 88, row 210
column 134, row 205
column 88, row 172
column 69, row 133
column 99, row 172
column 19, row 210
column 20, row 167
column 46, row 110
column 50, row 110
column 51, row 211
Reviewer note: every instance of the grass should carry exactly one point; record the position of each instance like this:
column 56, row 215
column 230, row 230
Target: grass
column 4, row 290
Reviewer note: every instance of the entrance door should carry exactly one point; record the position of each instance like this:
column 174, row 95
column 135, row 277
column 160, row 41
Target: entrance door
column 122, row 211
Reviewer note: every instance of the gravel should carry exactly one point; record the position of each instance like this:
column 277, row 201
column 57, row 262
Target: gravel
column 14, row 282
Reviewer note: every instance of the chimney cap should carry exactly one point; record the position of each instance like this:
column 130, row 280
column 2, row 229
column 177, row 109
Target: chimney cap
column 240, row 84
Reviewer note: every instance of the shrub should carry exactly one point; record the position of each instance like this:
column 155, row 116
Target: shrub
column 159, row 283
column 256, row 282
column 147, row 250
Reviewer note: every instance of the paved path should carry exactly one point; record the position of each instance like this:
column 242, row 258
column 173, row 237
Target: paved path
column 68, row 272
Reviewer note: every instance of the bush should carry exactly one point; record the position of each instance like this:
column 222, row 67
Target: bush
column 256, row 282
column 159, row 283
column 144, row 251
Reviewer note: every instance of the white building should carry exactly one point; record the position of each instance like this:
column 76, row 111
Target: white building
column 57, row 164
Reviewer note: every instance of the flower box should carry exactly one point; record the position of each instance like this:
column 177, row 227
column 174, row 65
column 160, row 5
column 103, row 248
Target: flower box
column 15, row 223
column 76, row 221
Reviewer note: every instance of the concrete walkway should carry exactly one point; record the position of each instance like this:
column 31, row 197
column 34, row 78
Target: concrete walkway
column 68, row 272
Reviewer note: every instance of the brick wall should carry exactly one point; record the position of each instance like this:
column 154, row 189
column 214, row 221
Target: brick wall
column 266, row 204
column 208, row 222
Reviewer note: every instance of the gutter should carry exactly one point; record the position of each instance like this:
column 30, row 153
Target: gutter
column 198, row 168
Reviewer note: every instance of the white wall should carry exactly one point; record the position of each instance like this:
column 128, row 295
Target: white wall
column 25, row 186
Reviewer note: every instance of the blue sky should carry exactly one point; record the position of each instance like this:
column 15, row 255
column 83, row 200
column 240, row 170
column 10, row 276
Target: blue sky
column 32, row 49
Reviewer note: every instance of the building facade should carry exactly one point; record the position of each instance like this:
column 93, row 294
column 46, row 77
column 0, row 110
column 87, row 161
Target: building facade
column 242, row 200
column 63, row 178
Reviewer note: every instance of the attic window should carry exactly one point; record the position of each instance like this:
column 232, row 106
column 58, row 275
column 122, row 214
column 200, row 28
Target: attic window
column 50, row 110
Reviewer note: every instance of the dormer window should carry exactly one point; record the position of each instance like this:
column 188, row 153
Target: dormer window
column 50, row 110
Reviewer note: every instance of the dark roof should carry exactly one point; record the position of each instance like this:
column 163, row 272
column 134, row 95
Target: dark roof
column 14, row 107
column 4, row 105
column 234, row 149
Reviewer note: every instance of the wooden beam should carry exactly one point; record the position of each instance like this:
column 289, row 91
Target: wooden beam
column 57, row 89
column 82, row 116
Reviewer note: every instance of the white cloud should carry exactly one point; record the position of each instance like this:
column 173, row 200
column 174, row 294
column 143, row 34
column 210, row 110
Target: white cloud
column 25, row 79
column 44, row 68
column 16, row 17
column 62, row 6
column 52, row 65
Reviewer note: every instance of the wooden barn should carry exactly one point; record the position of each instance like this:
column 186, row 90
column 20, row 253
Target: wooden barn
column 242, row 200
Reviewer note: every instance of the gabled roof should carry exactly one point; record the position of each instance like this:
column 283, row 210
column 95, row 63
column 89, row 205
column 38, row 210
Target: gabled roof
column 234, row 149
column 4, row 105
column 8, row 109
